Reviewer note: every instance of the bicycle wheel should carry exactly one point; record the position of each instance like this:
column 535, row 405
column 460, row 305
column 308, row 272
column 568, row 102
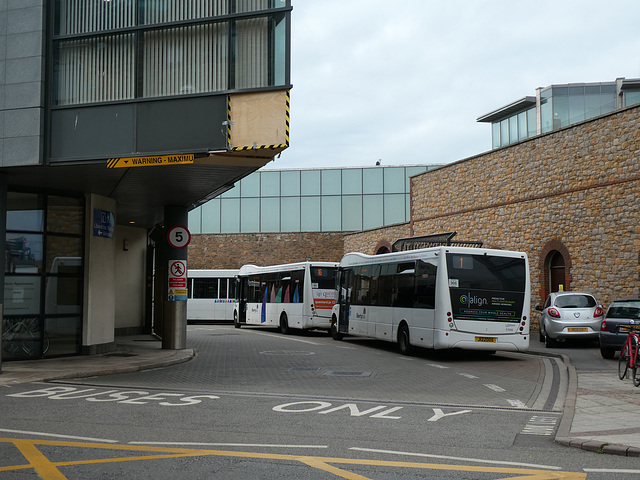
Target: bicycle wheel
column 635, row 370
column 623, row 361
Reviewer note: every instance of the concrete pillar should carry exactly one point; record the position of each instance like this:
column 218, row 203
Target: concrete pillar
column 3, row 239
column 174, row 335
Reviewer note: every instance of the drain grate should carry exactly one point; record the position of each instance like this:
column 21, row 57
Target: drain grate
column 334, row 373
column 121, row 354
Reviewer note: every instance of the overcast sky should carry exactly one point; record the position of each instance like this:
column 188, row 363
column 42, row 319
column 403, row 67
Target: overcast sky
column 405, row 80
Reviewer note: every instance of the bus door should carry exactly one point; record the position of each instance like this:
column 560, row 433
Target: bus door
column 344, row 299
column 242, row 288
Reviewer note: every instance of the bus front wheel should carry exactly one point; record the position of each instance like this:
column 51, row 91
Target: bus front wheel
column 404, row 344
column 335, row 334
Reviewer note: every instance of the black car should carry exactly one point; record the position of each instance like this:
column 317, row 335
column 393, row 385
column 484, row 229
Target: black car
column 625, row 311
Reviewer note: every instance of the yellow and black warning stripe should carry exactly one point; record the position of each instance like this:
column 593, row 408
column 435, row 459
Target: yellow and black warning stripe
column 254, row 146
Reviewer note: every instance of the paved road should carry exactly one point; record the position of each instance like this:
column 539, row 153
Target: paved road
column 257, row 404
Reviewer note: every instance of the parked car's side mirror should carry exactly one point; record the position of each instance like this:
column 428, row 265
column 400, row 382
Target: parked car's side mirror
column 539, row 308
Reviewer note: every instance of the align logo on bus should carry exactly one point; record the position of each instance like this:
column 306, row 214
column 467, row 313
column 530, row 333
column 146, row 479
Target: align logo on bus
column 473, row 300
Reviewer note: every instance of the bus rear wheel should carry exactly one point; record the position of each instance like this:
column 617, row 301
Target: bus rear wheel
column 404, row 343
column 284, row 324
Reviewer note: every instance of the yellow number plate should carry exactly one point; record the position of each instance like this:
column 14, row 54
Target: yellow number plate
column 486, row 339
column 578, row 329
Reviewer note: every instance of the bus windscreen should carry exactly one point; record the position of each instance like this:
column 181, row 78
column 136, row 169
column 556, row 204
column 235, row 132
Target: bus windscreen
column 485, row 287
column 323, row 278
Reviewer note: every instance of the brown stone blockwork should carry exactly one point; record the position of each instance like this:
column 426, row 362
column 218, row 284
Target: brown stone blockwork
column 370, row 241
column 574, row 190
column 232, row 251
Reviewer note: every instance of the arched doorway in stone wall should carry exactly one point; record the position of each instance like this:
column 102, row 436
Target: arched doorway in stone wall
column 382, row 247
column 555, row 268
column 557, row 279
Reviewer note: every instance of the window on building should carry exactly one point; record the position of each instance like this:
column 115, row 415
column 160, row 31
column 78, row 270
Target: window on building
column 631, row 98
column 270, row 215
column 230, row 215
column 290, row 214
column 310, row 181
column 124, row 50
column 331, row 213
column 372, row 180
column 310, row 221
column 532, row 122
column 394, row 179
column 290, row 183
column 352, row 181
column 43, row 275
column 249, row 215
column 352, row 212
column 331, row 182
column 372, row 211
column 394, row 208
column 270, row 184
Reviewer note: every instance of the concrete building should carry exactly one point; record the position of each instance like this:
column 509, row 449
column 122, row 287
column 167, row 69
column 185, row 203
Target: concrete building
column 116, row 119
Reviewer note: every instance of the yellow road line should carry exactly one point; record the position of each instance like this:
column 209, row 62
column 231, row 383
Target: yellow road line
column 40, row 463
column 48, row 470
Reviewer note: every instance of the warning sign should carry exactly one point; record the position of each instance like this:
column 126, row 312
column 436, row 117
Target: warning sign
column 149, row 161
column 177, row 280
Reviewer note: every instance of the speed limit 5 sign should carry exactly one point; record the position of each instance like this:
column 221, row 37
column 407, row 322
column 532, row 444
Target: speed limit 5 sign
column 178, row 236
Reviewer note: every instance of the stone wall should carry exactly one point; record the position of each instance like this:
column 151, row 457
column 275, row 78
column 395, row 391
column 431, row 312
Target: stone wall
column 234, row 250
column 371, row 241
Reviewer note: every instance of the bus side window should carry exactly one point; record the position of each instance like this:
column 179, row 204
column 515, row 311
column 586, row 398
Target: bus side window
column 425, row 285
column 404, row 284
column 385, row 284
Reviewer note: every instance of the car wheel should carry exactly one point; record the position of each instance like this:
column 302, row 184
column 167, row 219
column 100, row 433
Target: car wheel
column 608, row 353
column 550, row 342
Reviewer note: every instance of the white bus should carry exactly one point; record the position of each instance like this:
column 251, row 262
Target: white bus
column 297, row 295
column 438, row 297
column 212, row 294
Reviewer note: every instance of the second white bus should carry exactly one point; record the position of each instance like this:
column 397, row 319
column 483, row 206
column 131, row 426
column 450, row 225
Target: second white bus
column 297, row 295
column 438, row 297
column 212, row 295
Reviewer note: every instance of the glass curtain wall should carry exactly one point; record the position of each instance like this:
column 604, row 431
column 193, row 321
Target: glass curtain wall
column 43, row 276
column 515, row 128
column 349, row 199
column 562, row 106
column 117, row 51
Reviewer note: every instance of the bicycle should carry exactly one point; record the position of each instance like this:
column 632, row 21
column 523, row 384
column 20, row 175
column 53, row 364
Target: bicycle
column 22, row 337
column 630, row 354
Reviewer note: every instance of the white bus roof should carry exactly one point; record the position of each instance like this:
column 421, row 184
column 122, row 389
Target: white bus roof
column 213, row 273
column 253, row 269
column 356, row 258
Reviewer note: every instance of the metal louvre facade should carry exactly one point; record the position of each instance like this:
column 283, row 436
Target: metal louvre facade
column 119, row 51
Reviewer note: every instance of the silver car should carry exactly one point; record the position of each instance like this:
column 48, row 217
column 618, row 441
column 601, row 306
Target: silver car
column 569, row 315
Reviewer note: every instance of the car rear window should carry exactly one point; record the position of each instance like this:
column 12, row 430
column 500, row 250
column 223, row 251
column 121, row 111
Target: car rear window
column 624, row 310
column 575, row 301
